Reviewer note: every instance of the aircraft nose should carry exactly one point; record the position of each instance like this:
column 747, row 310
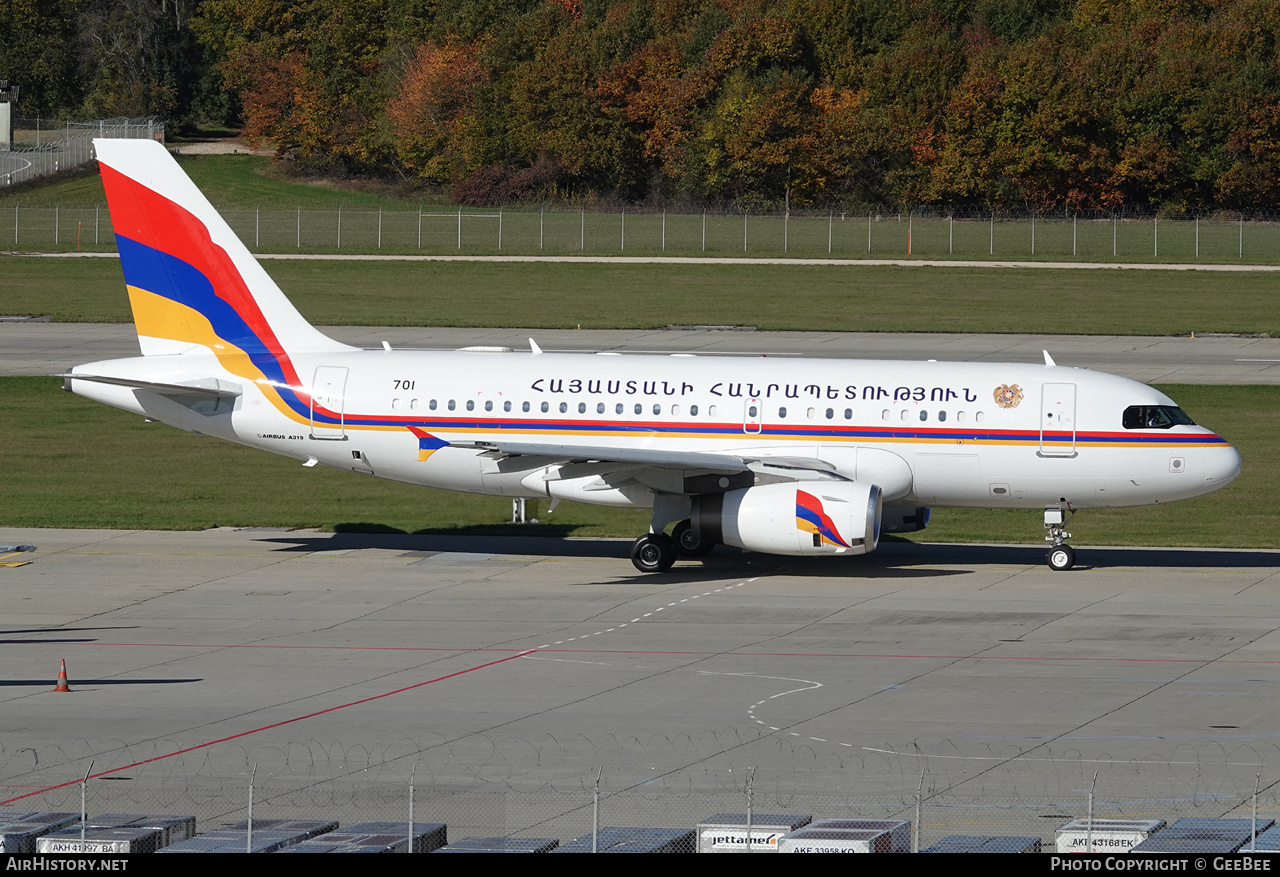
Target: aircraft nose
column 1222, row 467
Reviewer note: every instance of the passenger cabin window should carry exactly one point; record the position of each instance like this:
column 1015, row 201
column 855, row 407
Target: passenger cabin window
column 1155, row 417
column 471, row 405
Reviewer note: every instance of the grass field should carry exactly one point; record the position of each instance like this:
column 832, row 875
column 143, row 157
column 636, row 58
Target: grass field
column 74, row 463
column 792, row 297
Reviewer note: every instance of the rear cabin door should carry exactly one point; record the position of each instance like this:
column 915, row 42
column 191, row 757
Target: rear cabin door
column 328, row 394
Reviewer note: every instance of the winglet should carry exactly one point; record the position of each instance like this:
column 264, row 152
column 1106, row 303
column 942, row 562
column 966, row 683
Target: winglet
column 533, row 346
column 1048, row 360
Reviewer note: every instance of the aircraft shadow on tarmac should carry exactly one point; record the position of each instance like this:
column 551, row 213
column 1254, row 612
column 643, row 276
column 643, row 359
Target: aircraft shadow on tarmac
column 894, row 557
column 82, row 683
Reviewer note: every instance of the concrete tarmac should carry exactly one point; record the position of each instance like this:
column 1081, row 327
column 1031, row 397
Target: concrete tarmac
column 509, row 670
column 34, row 348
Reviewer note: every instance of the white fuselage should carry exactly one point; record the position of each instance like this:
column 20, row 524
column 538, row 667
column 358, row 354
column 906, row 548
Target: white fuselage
column 929, row 434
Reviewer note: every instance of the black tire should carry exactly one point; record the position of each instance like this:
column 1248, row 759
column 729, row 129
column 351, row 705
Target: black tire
column 1061, row 557
column 654, row 552
column 687, row 544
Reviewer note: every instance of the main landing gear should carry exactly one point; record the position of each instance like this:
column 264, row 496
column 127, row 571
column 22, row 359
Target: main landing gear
column 1060, row 555
column 656, row 552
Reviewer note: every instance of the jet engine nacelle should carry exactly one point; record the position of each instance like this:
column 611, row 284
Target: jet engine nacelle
column 807, row 518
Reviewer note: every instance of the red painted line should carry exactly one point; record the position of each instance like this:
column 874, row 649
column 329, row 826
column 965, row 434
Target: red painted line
column 65, row 646
column 275, row 725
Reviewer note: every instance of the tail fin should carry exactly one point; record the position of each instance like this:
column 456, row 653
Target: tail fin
column 192, row 284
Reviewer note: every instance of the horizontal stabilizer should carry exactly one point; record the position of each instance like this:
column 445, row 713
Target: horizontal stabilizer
column 211, row 388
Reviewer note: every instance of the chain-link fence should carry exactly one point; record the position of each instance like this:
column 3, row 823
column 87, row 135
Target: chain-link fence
column 42, row 147
column 551, row 788
column 1128, row 238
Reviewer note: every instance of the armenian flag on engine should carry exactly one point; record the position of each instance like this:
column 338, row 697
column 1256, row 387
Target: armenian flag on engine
column 812, row 518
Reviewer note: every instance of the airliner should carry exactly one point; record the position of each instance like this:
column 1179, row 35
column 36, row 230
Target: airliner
column 802, row 457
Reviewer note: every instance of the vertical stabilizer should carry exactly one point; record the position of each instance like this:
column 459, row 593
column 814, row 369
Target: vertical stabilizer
column 192, row 285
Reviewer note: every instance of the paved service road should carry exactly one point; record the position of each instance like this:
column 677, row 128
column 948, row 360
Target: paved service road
column 510, row 670
column 32, row 348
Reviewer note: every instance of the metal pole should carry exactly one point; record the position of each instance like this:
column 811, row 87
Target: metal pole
column 622, row 246
column 664, row 231
column 409, row 848
column 1033, row 232
column 829, row 221
column 56, row 222
column 1241, row 235
column 786, row 230
column 1074, row 218
column 379, row 228
column 1197, row 237
column 339, row 226
column 595, row 810
column 419, row 226
column 96, row 207
column 1253, row 843
column 744, row 231
column 499, row 229
column 582, row 228
column 1155, row 236
column 248, row 838
column 84, row 785
column 868, row 232
column 991, row 247
column 915, row 836
column 542, row 212
column 1088, row 843
column 257, row 211
column 951, row 234
column 704, row 229
column 1113, row 235
column 299, row 227
column 459, row 228
column 751, row 772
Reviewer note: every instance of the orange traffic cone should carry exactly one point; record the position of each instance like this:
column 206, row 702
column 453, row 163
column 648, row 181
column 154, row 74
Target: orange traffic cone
column 62, row 678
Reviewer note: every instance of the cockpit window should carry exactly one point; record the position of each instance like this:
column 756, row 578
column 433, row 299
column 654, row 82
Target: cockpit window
column 1155, row 417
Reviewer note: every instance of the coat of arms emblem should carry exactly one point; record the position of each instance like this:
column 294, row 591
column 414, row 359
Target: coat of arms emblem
column 1008, row 395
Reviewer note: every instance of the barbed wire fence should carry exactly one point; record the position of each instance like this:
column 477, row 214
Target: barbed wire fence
column 506, row 786
column 1122, row 236
column 44, row 147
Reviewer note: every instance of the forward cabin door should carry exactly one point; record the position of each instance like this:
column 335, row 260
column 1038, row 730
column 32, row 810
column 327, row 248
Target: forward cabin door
column 1058, row 420
column 328, row 392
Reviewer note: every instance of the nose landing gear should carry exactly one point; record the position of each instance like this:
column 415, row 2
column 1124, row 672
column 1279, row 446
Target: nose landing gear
column 1060, row 555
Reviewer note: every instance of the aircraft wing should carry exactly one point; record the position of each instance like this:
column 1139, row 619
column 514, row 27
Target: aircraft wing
column 783, row 468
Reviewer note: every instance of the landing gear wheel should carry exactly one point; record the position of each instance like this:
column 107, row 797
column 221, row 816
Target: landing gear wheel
column 687, row 544
column 653, row 553
column 1061, row 557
